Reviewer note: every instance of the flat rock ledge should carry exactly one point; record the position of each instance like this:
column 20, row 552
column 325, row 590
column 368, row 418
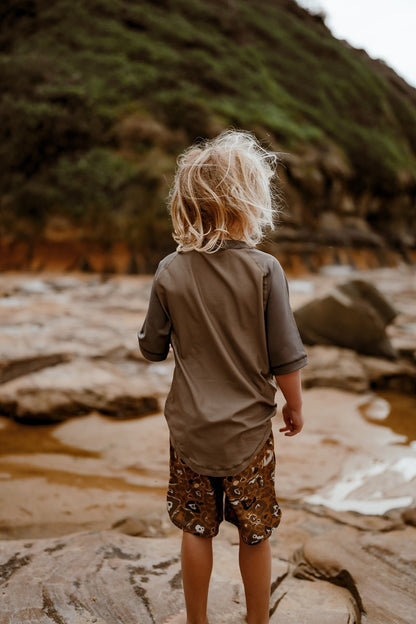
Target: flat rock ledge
column 107, row 577
column 335, row 367
column 122, row 387
column 78, row 387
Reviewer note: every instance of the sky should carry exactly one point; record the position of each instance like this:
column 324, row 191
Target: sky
column 386, row 29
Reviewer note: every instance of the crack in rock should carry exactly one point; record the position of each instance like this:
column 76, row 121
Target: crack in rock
column 142, row 594
column 305, row 571
column 276, row 604
column 49, row 608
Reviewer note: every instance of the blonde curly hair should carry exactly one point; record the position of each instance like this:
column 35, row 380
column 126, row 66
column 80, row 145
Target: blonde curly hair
column 223, row 188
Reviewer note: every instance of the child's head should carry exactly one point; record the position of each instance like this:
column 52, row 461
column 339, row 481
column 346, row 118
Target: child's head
column 222, row 189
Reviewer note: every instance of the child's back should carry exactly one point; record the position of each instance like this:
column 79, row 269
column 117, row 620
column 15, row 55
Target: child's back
column 228, row 319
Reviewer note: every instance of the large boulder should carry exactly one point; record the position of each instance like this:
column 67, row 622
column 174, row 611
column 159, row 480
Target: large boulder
column 353, row 315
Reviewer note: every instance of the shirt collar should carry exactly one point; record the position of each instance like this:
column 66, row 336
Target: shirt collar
column 231, row 243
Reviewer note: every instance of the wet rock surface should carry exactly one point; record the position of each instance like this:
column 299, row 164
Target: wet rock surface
column 104, row 474
column 84, row 529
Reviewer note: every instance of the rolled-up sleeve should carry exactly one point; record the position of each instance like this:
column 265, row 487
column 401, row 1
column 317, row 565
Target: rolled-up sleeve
column 286, row 351
column 154, row 336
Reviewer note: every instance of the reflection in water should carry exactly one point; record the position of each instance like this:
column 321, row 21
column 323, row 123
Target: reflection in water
column 17, row 439
column 359, row 490
column 377, row 409
column 378, row 485
column 393, row 410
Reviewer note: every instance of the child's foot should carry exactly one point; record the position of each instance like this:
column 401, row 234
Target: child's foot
column 179, row 618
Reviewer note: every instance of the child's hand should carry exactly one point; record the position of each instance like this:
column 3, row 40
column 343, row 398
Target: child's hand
column 293, row 420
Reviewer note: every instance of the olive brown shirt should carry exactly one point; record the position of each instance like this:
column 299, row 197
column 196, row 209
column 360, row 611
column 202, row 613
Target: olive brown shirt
column 228, row 318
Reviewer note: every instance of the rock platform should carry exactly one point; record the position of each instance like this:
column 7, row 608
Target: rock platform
column 85, row 536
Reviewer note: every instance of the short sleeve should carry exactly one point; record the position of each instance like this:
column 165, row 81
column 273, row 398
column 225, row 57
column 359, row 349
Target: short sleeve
column 154, row 336
column 286, row 351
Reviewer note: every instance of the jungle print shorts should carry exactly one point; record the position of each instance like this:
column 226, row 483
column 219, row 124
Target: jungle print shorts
column 198, row 503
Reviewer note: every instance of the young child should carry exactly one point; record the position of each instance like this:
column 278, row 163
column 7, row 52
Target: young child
column 223, row 307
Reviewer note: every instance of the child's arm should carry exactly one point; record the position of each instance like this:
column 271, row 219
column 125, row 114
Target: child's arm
column 154, row 336
column 290, row 386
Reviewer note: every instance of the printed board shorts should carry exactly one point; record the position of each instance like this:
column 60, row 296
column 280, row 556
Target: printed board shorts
column 197, row 503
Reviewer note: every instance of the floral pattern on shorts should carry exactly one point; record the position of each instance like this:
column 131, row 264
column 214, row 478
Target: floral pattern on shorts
column 198, row 503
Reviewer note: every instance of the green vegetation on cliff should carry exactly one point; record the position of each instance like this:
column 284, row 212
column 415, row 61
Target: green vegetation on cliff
column 99, row 96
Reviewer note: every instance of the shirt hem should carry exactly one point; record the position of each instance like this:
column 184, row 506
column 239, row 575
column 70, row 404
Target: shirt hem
column 222, row 472
column 289, row 368
column 153, row 357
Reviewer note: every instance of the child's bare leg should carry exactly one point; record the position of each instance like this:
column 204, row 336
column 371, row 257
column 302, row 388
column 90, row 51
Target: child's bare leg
column 255, row 566
column 196, row 572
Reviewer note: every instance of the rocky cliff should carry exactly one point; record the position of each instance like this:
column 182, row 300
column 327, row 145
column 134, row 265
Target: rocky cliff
column 99, row 98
